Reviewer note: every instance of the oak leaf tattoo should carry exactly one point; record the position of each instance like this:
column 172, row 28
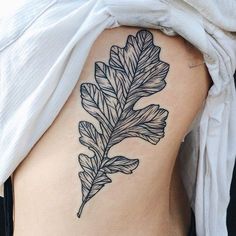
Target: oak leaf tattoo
column 133, row 72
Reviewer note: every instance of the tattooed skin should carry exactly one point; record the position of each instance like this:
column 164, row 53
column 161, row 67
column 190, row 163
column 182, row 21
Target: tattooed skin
column 133, row 72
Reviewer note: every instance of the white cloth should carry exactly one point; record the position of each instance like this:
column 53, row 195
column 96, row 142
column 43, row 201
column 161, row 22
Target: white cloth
column 43, row 47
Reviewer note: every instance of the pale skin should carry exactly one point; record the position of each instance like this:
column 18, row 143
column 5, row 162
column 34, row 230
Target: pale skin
column 151, row 201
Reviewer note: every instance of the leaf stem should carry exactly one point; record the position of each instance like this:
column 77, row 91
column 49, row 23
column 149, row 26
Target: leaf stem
column 81, row 209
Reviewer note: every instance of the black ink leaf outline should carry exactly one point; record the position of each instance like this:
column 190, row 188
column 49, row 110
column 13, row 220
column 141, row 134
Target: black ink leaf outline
column 134, row 71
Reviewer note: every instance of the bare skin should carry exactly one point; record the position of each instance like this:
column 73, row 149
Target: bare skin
column 1, row 190
column 149, row 202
